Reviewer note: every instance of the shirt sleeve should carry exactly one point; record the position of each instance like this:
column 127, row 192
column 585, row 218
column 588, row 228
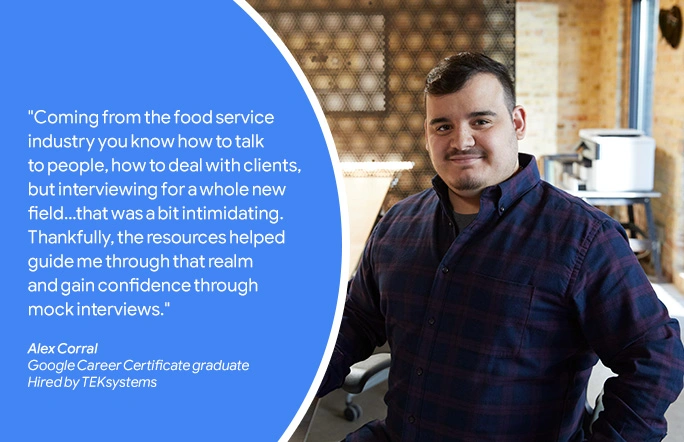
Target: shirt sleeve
column 362, row 328
column 631, row 331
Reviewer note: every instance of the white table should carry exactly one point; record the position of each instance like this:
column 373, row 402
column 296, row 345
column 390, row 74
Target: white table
column 366, row 185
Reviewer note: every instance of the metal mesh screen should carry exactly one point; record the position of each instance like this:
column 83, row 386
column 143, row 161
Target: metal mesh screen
column 342, row 55
column 367, row 60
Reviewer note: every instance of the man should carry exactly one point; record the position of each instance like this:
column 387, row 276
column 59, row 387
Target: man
column 497, row 293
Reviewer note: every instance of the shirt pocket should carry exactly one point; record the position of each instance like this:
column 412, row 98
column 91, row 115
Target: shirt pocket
column 492, row 315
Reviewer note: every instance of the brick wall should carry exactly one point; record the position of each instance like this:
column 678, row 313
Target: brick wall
column 536, row 53
column 668, row 131
column 593, row 73
column 589, row 51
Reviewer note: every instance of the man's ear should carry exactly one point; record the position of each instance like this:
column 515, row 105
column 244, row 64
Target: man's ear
column 519, row 122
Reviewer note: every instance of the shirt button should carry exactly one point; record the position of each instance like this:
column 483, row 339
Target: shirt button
column 412, row 419
column 445, row 270
column 431, row 321
column 419, row 371
column 501, row 209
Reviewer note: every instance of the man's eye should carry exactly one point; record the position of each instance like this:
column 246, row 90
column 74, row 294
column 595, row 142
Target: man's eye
column 442, row 128
column 481, row 122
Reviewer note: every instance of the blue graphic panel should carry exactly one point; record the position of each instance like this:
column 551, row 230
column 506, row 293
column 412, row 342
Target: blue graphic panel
column 172, row 236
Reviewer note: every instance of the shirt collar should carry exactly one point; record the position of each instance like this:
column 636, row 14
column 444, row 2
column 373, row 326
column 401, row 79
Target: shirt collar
column 502, row 195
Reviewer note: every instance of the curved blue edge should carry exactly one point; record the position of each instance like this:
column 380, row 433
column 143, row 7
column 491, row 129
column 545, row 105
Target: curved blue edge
column 132, row 57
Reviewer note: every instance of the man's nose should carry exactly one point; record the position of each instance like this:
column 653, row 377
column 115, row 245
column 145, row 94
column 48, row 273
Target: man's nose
column 462, row 138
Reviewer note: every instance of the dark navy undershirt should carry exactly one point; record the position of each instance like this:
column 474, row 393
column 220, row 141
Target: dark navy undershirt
column 462, row 220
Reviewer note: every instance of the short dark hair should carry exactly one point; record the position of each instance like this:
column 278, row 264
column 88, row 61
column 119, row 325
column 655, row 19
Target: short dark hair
column 452, row 73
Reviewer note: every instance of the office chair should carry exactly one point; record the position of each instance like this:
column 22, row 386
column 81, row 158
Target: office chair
column 363, row 376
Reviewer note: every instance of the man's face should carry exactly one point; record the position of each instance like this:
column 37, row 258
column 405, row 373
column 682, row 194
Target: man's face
column 471, row 136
